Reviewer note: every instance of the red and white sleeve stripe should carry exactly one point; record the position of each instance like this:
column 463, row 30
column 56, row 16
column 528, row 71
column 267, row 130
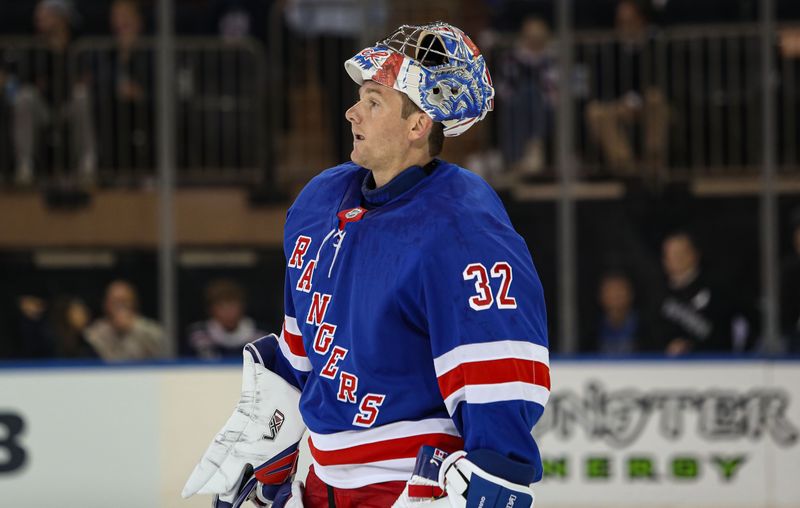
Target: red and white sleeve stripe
column 494, row 372
column 355, row 458
column 291, row 345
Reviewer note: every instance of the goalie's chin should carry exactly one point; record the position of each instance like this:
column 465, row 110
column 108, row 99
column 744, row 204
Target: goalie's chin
column 355, row 156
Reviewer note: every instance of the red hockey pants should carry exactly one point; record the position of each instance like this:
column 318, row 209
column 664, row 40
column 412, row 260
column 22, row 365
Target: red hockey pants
column 378, row 495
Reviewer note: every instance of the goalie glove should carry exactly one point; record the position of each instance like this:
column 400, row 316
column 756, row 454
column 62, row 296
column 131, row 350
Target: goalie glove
column 264, row 429
column 469, row 485
column 423, row 489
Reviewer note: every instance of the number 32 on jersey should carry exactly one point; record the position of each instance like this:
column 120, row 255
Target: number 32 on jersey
column 484, row 299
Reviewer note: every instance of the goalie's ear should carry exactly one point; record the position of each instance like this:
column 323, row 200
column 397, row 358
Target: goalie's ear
column 420, row 127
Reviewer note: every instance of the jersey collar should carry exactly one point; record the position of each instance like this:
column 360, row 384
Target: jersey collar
column 398, row 185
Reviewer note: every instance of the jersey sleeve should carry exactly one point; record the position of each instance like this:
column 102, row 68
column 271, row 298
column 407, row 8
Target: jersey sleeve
column 487, row 325
column 291, row 361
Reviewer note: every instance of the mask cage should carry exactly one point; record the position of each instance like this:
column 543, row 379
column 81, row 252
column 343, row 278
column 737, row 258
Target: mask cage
column 423, row 44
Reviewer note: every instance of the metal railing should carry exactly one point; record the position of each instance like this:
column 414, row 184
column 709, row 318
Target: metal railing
column 683, row 102
column 92, row 111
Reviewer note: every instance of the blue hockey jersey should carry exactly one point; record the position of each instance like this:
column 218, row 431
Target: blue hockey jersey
column 414, row 316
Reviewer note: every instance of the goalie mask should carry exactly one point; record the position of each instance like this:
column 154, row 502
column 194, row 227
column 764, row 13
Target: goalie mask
column 437, row 66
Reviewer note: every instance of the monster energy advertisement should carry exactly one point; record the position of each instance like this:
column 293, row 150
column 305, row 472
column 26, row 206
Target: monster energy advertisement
column 684, row 433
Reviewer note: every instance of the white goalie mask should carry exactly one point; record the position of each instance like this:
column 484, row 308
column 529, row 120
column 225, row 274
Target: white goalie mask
column 437, row 66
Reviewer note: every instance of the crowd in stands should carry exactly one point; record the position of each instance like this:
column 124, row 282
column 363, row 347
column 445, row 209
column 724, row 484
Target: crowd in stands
column 695, row 314
column 692, row 311
column 66, row 119
column 62, row 327
column 621, row 99
column 49, row 127
column 62, row 116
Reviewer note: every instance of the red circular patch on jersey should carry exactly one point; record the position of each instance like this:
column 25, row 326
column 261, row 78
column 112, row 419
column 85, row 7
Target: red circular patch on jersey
column 350, row 215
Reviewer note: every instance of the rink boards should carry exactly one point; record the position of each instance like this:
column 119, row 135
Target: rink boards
column 615, row 433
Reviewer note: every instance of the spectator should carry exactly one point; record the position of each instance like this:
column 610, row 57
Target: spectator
column 31, row 330
column 618, row 329
column 790, row 288
column 125, row 87
column 49, row 107
column 45, row 331
column 235, row 20
column 635, row 99
column 69, row 320
column 526, row 98
column 695, row 314
column 123, row 334
column 227, row 330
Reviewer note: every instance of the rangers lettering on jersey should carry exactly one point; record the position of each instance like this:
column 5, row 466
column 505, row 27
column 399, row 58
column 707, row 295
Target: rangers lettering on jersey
column 319, row 306
column 300, row 249
column 369, row 409
column 348, row 385
column 304, row 283
column 324, row 338
column 330, row 369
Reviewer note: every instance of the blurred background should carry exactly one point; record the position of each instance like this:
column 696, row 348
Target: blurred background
column 647, row 150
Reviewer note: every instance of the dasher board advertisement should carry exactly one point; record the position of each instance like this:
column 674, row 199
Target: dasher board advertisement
column 685, row 433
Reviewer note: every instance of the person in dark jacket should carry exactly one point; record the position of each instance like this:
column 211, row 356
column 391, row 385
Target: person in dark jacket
column 695, row 313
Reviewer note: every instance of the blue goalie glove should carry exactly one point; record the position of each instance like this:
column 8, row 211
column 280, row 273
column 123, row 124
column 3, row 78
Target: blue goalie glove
column 470, row 486
column 440, row 480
